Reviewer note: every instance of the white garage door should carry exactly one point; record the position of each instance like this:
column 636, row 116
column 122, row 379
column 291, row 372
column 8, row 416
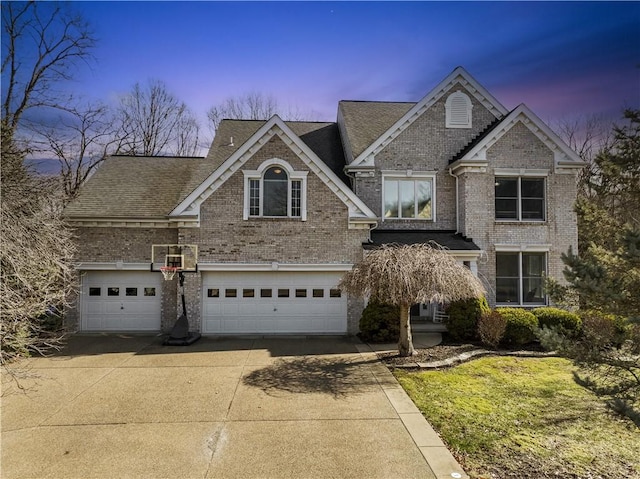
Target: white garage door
column 121, row 301
column 273, row 302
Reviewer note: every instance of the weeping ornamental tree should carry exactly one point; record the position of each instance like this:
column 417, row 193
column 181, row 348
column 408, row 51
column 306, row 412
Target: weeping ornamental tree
column 410, row 274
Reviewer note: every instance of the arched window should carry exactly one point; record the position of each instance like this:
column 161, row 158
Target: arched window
column 275, row 190
column 275, row 194
column 458, row 110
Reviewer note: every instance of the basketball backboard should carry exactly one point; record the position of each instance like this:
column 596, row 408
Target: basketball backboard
column 182, row 256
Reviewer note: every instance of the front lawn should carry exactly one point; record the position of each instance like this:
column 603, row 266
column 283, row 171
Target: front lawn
column 506, row 417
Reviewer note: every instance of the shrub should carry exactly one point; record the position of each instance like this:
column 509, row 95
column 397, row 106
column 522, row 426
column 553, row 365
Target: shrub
column 380, row 323
column 604, row 330
column 565, row 321
column 464, row 316
column 491, row 328
column 521, row 326
column 552, row 339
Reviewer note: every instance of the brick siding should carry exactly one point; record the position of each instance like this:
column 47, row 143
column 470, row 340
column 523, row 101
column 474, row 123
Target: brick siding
column 426, row 145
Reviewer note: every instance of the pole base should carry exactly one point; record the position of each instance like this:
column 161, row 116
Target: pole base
column 186, row 341
column 180, row 335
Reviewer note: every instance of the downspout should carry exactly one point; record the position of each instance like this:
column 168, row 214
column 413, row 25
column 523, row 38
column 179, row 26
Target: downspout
column 457, row 199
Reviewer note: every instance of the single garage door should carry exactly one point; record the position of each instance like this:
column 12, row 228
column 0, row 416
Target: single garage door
column 273, row 303
column 121, row 301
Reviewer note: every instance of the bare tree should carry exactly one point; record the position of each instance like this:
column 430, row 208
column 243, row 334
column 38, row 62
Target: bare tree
column 42, row 43
column 410, row 274
column 187, row 140
column 587, row 136
column 81, row 138
column 35, row 256
column 253, row 106
column 152, row 121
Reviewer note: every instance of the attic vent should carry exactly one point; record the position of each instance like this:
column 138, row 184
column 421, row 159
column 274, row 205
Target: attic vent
column 458, row 111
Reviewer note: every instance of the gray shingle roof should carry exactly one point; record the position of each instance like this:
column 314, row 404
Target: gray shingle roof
column 137, row 187
column 322, row 137
column 151, row 187
column 366, row 121
column 445, row 238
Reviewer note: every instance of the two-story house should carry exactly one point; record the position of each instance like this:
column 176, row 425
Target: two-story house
column 276, row 213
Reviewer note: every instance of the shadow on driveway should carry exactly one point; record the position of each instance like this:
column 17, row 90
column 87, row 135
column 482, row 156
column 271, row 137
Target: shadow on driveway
column 337, row 377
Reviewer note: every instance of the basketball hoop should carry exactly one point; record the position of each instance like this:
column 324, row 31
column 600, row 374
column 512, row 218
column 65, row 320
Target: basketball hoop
column 168, row 272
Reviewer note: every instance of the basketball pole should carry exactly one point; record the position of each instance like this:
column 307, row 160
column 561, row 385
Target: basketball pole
column 181, row 280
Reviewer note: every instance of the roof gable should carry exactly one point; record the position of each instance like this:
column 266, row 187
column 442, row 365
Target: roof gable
column 457, row 76
column 564, row 156
column 190, row 206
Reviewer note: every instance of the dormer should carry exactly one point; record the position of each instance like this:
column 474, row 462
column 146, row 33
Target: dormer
column 458, row 110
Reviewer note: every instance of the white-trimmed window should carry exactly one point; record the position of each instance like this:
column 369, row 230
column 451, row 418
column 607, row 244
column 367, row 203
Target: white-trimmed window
column 275, row 190
column 458, row 110
column 408, row 197
column 520, row 277
column 520, row 198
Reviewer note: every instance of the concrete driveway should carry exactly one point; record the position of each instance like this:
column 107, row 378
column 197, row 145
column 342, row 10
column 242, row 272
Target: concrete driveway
column 125, row 406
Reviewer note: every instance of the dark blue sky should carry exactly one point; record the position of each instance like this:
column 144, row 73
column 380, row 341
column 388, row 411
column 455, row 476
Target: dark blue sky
column 560, row 58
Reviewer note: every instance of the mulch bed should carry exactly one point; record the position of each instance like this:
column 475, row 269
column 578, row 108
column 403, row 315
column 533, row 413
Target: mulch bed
column 449, row 350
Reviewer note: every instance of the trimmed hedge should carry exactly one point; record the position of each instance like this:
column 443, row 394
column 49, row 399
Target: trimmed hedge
column 566, row 321
column 521, row 326
column 464, row 316
column 380, row 323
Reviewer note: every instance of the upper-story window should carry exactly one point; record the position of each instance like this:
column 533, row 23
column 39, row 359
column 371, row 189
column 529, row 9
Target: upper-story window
column 458, row 110
column 409, row 197
column 275, row 190
column 519, row 198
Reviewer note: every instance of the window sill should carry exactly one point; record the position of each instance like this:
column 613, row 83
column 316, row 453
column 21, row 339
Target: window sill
column 276, row 218
column 521, row 222
column 409, row 219
column 518, row 305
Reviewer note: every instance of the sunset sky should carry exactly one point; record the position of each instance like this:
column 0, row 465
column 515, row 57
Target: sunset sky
column 560, row 58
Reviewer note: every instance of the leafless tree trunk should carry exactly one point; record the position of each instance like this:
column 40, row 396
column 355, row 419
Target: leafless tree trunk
column 42, row 42
column 405, row 344
column 153, row 122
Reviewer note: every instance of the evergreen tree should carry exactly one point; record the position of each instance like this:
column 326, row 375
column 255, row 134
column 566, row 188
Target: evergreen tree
column 606, row 271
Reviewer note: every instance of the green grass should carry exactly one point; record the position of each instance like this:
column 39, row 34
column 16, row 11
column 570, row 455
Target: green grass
column 524, row 418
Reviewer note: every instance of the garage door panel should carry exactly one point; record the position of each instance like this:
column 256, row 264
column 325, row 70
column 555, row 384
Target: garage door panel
column 253, row 311
column 251, row 308
column 120, row 301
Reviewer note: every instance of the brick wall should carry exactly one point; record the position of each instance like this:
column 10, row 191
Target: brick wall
column 518, row 148
column 426, row 145
column 224, row 237
column 129, row 245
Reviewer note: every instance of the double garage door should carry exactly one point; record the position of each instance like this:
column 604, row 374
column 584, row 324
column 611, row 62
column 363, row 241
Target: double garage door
column 233, row 302
column 273, row 302
column 121, row 301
